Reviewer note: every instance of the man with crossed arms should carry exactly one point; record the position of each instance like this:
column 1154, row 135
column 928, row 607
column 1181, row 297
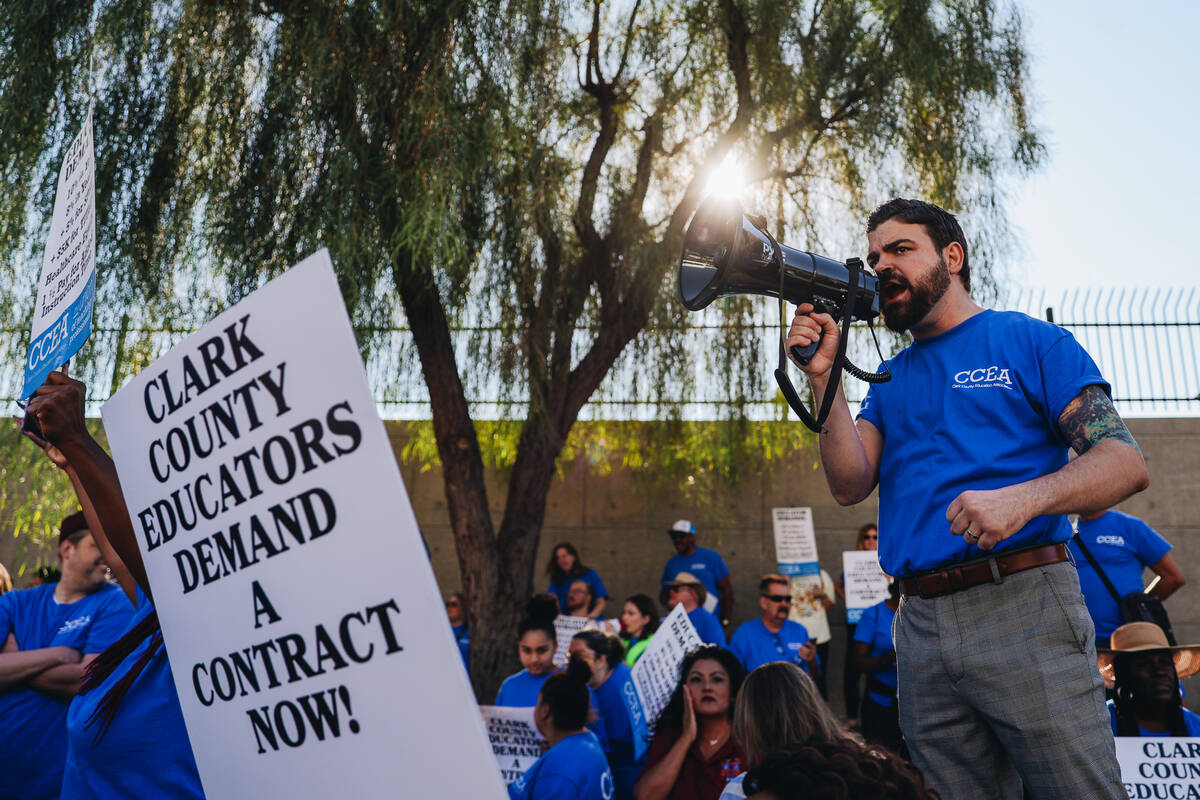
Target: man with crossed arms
column 999, row 689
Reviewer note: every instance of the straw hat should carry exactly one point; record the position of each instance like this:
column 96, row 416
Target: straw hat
column 1136, row 637
column 691, row 581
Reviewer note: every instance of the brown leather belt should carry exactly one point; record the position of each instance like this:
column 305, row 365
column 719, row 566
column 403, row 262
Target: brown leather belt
column 938, row 582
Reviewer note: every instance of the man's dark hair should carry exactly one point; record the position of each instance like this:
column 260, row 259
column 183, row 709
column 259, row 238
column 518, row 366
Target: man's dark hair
column 73, row 528
column 767, row 580
column 940, row 224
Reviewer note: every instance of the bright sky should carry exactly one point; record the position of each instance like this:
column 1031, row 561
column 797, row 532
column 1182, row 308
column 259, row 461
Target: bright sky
column 1117, row 100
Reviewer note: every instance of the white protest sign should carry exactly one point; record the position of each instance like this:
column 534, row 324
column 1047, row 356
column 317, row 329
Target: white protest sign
column 656, row 673
column 62, row 317
column 1159, row 767
column 306, row 633
column 807, row 607
column 516, row 741
column 795, row 541
column 796, row 557
column 566, row 626
column 866, row 583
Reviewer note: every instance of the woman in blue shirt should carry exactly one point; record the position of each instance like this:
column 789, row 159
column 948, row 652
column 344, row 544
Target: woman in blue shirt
column 1145, row 671
column 536, row 643
column 611, row 682
column 564, row 568
column 125, row 730
column 875, row 655
column 574, row 767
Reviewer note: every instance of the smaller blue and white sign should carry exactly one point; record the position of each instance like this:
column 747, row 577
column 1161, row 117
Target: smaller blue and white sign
column 62, row 317
column 866, row 582
column 795, row 541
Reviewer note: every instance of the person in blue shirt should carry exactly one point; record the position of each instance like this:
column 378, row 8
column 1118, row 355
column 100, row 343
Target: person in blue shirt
column 612, row 684
column 50, row 633
column 536, row 644
column 688, row 591
column 968, row 445
column 1145, row 672
column 772, row 636
column 702, row 563
column 456, row 612
column 1124, row 547
column 563, row 569
column 875, row 655
column 574, row 766
column 125, row 729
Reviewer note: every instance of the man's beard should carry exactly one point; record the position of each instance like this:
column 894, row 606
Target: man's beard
column 901, row 315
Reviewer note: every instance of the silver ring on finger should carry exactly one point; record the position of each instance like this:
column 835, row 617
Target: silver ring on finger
column 974, row 537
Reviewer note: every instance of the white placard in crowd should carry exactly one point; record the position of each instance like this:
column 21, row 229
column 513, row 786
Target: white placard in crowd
column 795, row 541
column 306, row 633
column 866, row 583
column 516, row 741
column 807, row 609
column 1159, row 767
column 62, row 317
column 656, row 673
column 566, row 626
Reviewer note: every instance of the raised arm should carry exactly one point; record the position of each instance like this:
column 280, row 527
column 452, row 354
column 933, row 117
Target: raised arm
column 58, row 407
column 1109, row 468
column 850, row 451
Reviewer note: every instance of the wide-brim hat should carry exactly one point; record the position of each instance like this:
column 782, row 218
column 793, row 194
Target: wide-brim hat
column 691, row 581
column 1140, row 637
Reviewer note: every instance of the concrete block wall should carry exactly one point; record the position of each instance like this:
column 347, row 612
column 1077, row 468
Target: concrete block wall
column 619, row 521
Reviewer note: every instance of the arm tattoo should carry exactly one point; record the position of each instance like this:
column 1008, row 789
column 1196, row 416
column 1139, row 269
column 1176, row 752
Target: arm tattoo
column 1089, row 418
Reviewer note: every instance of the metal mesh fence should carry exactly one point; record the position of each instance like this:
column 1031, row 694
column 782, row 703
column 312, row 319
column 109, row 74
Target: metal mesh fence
column 1146, row 342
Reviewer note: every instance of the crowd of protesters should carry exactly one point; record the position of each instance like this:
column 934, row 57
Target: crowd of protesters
column 987, row 665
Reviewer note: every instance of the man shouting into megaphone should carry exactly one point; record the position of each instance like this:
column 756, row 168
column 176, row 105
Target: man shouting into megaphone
column 999, row 689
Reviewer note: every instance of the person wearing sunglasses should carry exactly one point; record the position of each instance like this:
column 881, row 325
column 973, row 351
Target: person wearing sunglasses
column 772, row 636
column 868, row 539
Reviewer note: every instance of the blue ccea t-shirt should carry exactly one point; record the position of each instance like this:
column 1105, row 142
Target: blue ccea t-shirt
column 560, row 590
column 574, row 769
column 755, row 645
column 33, row 729
column 875, row 629
column 146, row 752
column 708, row 626
column 975, row 407
column 462, row 637
column 521, row 690
column 1123, row 546
column 610, row 702
column 706, row 565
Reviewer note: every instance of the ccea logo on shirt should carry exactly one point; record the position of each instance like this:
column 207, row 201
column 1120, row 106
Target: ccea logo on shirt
column 75, row 624
column 1119, row 541
column 982, row 378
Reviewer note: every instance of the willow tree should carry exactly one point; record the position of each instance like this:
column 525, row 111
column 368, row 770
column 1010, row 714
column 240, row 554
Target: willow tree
column 521, row 170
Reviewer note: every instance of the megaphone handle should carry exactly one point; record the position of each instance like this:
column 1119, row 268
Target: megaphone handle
column 804, row 354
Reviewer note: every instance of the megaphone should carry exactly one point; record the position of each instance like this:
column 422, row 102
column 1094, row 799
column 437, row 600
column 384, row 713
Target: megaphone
column 727, row 252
